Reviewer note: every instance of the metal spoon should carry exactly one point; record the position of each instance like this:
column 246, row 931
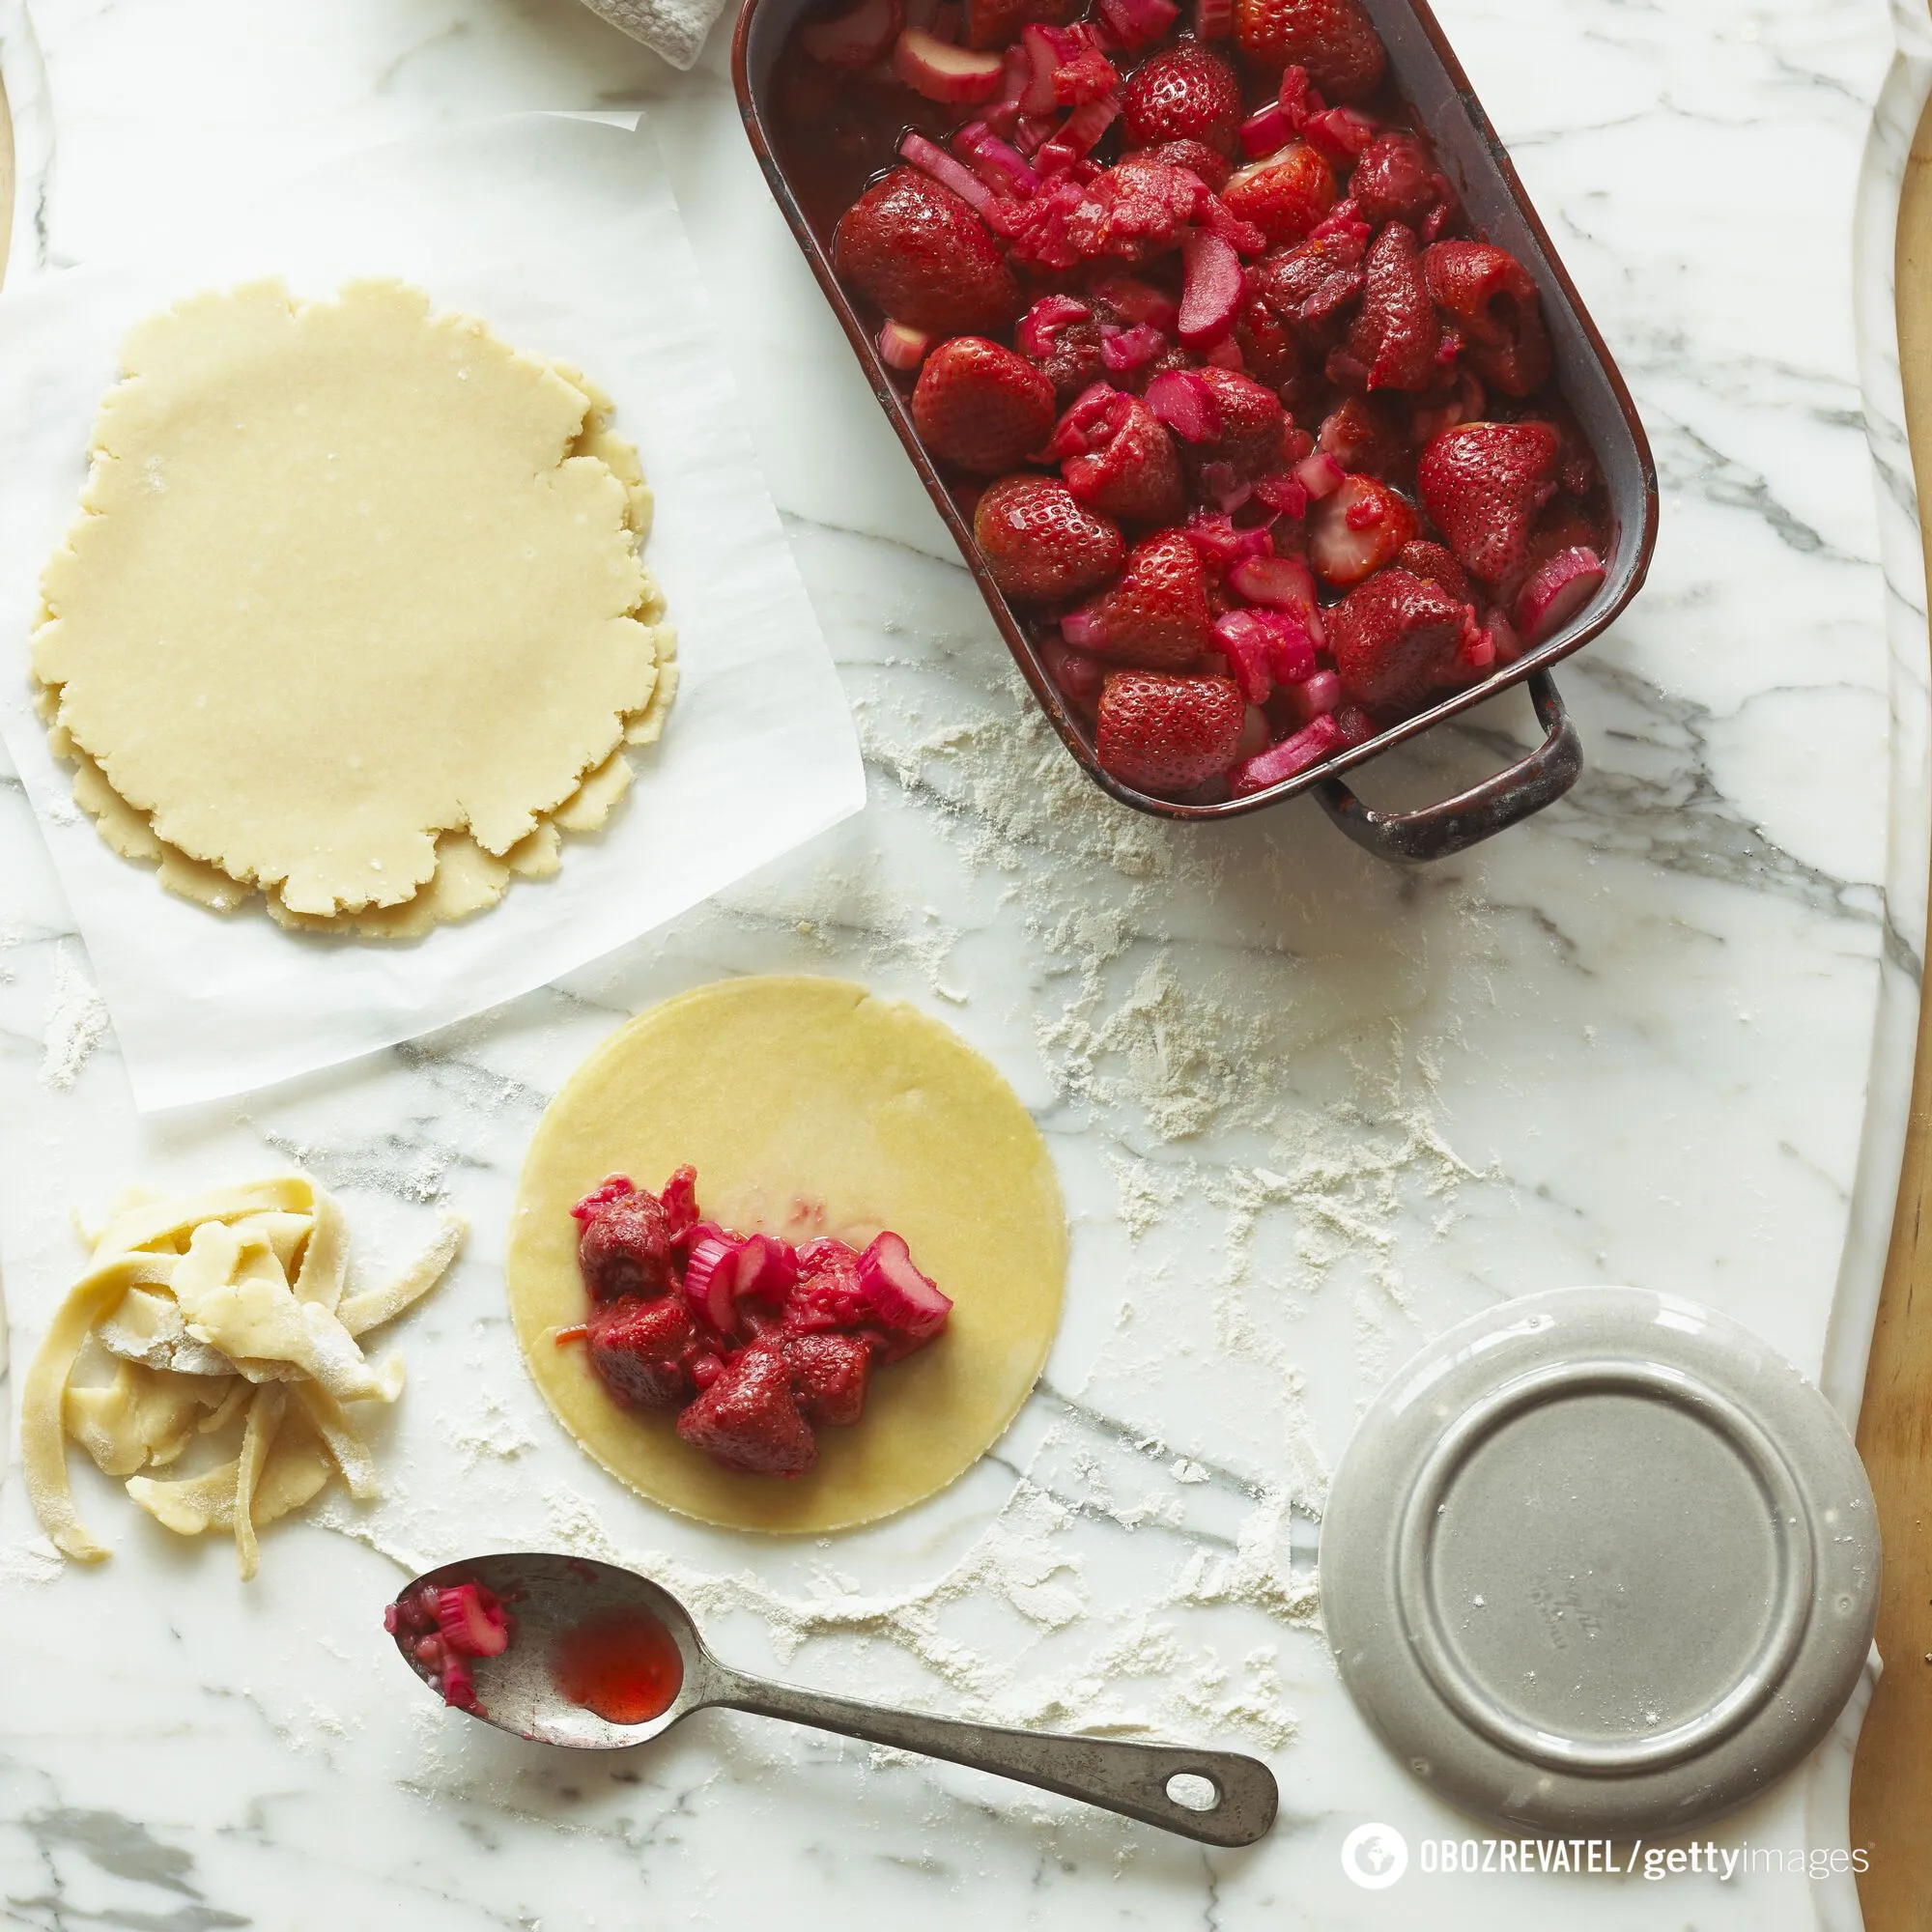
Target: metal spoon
column 1226, row 1799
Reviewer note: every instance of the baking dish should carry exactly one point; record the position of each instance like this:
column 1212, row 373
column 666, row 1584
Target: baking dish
column 1426, row 72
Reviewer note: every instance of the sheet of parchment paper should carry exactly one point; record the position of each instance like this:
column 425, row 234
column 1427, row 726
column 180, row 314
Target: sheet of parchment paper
column 562, row 235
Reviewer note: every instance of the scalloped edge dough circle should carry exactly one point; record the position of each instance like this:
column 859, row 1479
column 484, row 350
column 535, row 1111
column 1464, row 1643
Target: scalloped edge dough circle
column 343, row 583
column 808, row 1106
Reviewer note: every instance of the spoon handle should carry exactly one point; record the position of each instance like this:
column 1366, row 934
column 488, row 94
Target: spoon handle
column 1131, row 1778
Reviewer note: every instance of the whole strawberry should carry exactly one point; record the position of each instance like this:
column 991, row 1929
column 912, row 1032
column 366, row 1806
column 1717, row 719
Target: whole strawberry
column 1252, row 421
column 1434, row 565
column 1397, row 639
column 749, row 1420
column 828, row 1374
column 925, row 258
column 1165, row 734
column 1394, row 181
column 1334, row 40
column 1482, row 484
column 642, row 1350
column 1040, row 546
column 1118, row 459
column 1490, row 296
column 1285, row 195
column 981, row 406
column 1157, row 615
column 1185, row 94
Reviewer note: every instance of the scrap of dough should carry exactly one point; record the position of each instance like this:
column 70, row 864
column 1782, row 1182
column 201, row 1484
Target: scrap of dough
column 245, row 1284
column 808, row 1106
column 281, row 484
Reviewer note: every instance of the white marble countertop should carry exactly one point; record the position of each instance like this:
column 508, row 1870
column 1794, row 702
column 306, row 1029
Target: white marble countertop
column 1308, row 1110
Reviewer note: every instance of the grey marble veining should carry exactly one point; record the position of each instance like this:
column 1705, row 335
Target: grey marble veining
column 1307, row 1110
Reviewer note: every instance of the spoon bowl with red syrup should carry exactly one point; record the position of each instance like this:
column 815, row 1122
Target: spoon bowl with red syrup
column 598, row 1658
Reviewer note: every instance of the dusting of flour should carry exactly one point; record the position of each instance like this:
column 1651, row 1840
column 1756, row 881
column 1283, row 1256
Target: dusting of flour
column 73, row 1023
column 1219, row 1084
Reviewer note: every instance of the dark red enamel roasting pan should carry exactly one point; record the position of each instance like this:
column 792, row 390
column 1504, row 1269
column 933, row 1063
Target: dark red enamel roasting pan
column 1429, row 77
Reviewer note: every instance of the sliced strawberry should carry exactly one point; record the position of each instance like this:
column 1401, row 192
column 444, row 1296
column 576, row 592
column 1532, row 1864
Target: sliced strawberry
column 1285, row 195
column 1482, row 484
column 1396, row 639
column 1354, row 533
column 828, row 1375
column 1364, row 436
column 981, row 406
column 641, row 1351
column 922, row 255
column 1117, row 458
column 1155, row 617
column 1334, row 40
column 1166, row 734
column 855, row 38
column 1488, row 296
column 1396, row 180
column 1183, row 93
column 624, row 1244
column 1392, row 344
column 749, row 1420
column 1040, row 544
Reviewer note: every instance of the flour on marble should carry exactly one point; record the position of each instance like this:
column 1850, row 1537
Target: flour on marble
column 1138, row 1679
column 1128, row 1035
column 72, row 1025
column 493, row 1434
column 32, row 1560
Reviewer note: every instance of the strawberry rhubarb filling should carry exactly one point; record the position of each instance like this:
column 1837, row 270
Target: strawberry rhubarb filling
column 1259, row 437
column 444, row 1631
column 753, row 1343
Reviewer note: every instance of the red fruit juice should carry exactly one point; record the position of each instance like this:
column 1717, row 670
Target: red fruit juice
column 624, row 1665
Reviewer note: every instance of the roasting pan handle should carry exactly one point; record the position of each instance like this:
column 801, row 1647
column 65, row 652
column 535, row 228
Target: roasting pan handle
column 1478, row 813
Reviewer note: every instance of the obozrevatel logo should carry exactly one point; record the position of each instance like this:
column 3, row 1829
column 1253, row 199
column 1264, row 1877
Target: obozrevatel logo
column 1374, row 1856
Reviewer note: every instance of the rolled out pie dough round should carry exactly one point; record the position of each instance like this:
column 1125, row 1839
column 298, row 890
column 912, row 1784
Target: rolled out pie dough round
column 354, row 612
column 808, row 1106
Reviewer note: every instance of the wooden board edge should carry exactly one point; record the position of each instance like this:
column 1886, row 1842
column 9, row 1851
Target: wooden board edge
column 1891, row 1774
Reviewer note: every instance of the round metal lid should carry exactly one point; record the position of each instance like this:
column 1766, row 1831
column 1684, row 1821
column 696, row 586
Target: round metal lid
column 1599, row 1559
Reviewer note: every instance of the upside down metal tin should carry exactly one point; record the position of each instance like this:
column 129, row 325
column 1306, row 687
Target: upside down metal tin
column 1599, row 1559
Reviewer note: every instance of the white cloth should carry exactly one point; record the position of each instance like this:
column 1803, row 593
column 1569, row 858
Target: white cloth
column 673, row 28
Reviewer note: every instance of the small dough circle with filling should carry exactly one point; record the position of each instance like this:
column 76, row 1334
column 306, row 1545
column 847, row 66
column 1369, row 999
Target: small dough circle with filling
column 808, row 1106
